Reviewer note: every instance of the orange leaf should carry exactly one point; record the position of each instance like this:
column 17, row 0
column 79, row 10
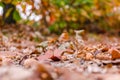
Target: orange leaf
column 115, row 53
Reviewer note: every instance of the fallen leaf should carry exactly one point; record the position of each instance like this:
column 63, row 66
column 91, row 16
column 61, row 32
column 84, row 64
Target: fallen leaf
column 115, row 53
column 64, row 37
column 47, row 55
column 89, row 56
column 55, row 55
column 103, row 56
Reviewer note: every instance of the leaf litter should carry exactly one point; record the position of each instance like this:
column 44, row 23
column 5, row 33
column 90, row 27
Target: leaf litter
column 64, row 57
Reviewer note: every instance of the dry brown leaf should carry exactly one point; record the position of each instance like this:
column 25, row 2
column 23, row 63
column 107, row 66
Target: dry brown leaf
column 64, row 37
column 89, row 56
column 103, row 56
column 48, row 54
column 115, row 53
column 81, row 55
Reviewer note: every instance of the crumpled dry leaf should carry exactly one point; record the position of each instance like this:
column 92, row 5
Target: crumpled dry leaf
column 64, row 37
column 55, row 54
column 115, row 53
column 103, row 56
column 89, row 56
column 65, row 46
column 47, row 55
column 79, row 37
column 43, row 44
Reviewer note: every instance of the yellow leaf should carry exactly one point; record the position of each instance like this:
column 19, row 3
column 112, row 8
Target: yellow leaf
column 8, row 12
column 84, row 13
column 6, row 1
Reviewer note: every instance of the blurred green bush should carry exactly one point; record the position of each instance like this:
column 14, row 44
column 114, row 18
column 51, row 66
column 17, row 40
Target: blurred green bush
column 59, row 15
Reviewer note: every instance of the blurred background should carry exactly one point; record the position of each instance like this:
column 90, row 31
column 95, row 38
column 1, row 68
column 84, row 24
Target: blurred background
column 56, row 16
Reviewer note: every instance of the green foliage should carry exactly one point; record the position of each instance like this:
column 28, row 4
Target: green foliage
column 16, row 15
column 79, row 13
column 10, row 14
column 58, row 26
column 72, row 14
column 1, row 4
column 60, row 3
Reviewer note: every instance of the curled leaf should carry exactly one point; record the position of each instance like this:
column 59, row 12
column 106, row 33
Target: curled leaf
column 64, row 37
column 115, row 53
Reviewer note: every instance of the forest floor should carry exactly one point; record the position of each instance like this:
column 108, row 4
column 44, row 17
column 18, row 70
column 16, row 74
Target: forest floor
column 82, row 56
